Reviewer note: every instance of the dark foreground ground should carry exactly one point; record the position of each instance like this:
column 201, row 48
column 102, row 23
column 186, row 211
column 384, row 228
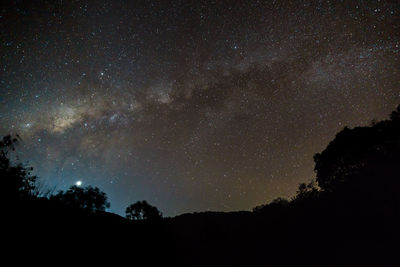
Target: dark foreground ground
column 38, row 234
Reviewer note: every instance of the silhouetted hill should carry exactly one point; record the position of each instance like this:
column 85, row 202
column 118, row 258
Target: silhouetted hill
column 209, row 238
column 43, row 231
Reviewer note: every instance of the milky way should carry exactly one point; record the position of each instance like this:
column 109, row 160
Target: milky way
column 192, row 105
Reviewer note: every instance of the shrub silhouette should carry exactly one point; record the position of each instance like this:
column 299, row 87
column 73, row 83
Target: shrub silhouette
column 306, row 192
column 276, row 204
column 87, row 198
column 141, row 210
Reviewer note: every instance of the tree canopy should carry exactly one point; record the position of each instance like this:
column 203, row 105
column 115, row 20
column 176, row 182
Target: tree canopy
column 142, row 210
column 87, row 198
column 354, row 151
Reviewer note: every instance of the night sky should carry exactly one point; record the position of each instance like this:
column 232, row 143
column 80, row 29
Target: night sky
column 192, row 105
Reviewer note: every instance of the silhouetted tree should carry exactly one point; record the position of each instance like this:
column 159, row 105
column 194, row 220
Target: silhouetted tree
column 141, row 210
column 360, row 168
column 353, row 151
column 17, row 180
column 87, row 198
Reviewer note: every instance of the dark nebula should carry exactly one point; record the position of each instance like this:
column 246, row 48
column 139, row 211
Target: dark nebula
column 192, row 105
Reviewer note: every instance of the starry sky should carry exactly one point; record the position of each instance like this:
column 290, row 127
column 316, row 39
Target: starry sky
column 192, row 105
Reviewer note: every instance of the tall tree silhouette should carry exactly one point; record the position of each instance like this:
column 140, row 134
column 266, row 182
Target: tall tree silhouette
column 142, row 210
column 17, row 180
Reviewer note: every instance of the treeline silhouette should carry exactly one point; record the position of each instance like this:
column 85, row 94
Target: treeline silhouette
column 347, row 216
column 19, row 186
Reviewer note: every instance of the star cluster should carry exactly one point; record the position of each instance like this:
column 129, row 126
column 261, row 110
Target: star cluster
column 192, row 105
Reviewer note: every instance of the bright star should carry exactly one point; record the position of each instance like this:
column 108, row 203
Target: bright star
column 78, row 183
